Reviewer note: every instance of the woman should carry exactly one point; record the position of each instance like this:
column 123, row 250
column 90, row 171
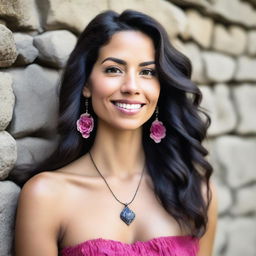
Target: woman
column 129, row 175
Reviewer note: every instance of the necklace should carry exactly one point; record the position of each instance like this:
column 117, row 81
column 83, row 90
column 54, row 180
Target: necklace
column 126, row 215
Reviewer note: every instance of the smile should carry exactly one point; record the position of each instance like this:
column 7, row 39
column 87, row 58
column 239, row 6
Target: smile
column 128, row 106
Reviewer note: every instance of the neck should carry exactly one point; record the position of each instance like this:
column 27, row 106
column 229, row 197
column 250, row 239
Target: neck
column 118, row 153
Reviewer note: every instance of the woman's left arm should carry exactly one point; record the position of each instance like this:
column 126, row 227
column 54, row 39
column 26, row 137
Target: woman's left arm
column 206, row 243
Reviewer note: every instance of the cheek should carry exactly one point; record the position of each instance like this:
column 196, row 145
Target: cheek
column 153, row 92
column 103, row 87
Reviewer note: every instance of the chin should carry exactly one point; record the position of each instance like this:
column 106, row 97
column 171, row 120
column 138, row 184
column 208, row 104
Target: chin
column 125, row 125
column 128, row 127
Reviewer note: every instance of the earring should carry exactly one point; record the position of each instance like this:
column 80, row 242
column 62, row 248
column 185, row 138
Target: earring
column 85, row 123
column 157, row 129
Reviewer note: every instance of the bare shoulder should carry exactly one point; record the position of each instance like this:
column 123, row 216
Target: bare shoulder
column 43, row 187
column 38, row 220
column 41, row 193
column 42, row 183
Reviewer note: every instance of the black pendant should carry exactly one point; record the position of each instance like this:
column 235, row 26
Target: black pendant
column 127, row 215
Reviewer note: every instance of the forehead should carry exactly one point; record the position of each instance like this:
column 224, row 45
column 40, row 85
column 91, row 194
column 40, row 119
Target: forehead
column 129, row 44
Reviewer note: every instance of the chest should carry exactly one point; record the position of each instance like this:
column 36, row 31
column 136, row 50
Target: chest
column 93, row 212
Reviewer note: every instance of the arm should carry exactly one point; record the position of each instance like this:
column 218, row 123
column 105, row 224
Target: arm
column 207, row 241
column 37, row 221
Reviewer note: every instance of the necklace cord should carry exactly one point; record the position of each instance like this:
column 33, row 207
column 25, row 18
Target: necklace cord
column 125, row 204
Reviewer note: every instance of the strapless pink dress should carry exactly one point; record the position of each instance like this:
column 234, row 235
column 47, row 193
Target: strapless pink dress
column 161, row 246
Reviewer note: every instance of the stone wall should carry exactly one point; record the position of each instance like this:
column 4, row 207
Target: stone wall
column 219, row 36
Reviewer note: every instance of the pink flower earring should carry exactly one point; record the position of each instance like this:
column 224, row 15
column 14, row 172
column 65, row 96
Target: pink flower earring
column 157, row 129
column 85, row 123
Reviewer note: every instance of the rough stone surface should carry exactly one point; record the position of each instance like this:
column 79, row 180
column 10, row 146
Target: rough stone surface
column 244, row 98
column 232, row 11
column 237, row 158
column 242, row 229
column 199, row 28
column 33, row 150
column 245, row 201
column 219, row 67
column 170, row 16
column 222, row 236
column 20, row 14
column 73, row 15
column 193, row 52
column 35, row 89
column 251, row 42
column 246, row 69
column 231, row 40
column 6, row 100
column 27, row 53
column 9, row 193
column 236, row 11
column 220, row 108
column 8, row 154
column 8, row 53
column 55, row 47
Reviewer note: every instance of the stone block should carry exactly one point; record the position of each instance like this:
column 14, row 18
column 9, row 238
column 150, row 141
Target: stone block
column 245, row 201
column 192, row 51
column 246, row 69
column 9, row 193
column 219, row 105
column 236, row 156
column 36, row 107
column 8, row 154
column 8, row 53
column 32, row 150
column 221, row 236
column 242, row 237
column 72, row 15
column 199, row 28
column 251, row 43
column 235, row 11
column 170, row 16
column 55, row 47
column 20, row 14
column 244, row 99
column 230, row 40
column 219, row 67
column 27, row 53
column 6, row 100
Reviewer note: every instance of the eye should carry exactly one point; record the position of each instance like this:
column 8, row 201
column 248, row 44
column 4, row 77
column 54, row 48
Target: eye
column 112, row 70
column 148, row 72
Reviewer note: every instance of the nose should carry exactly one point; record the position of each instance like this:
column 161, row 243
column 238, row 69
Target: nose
column 130, row 84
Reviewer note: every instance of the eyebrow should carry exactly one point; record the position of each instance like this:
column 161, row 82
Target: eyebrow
column 122, row 62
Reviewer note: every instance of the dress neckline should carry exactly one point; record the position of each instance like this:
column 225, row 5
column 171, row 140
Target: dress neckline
column 105, row 240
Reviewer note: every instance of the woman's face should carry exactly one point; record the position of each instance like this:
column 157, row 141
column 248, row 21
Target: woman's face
column 123, row 83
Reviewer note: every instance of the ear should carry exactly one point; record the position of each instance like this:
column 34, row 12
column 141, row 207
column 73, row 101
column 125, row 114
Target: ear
column 86, row 91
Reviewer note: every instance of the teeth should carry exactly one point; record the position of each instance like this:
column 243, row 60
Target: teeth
column 128, row 106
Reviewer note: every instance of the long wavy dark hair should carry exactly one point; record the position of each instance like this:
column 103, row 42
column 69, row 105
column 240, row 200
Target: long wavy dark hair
column 177, row 165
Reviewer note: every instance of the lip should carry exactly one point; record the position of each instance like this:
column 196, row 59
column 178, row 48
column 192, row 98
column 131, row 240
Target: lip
column 128, row 101
column 128, row 111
